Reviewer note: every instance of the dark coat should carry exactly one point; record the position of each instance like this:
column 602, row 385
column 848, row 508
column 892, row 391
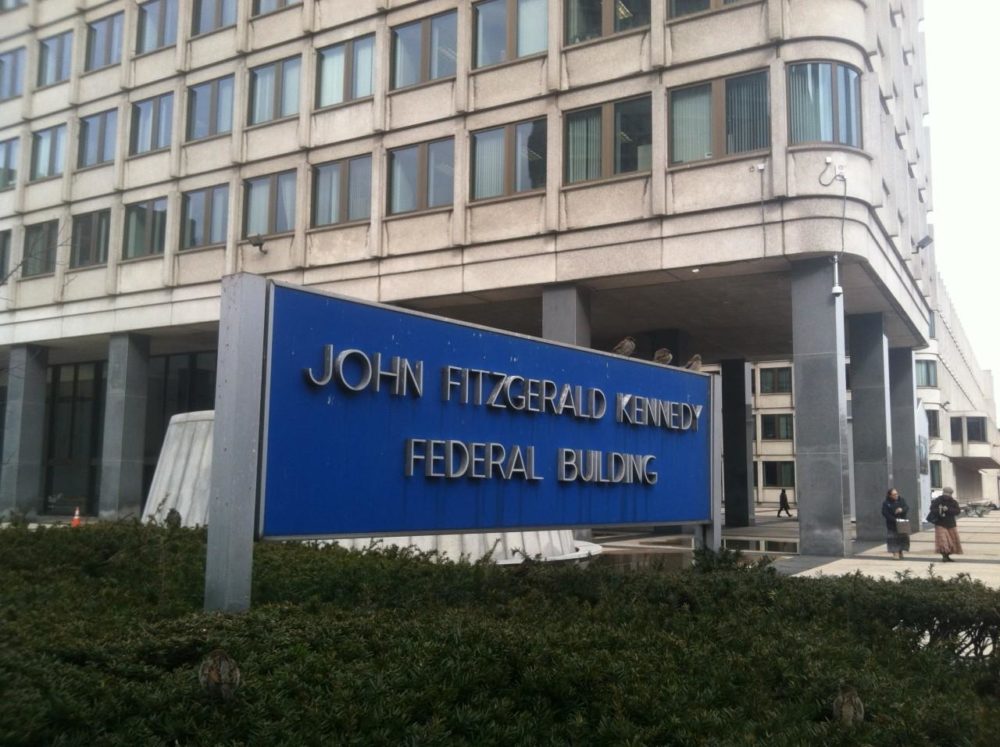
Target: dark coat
column 945, row 508
column 889, row 512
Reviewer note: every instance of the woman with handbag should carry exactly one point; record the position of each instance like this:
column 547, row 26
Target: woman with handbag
column 897, row 526
column 942, row 515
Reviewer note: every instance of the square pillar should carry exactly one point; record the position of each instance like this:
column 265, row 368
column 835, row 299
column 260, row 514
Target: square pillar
column 903, row 419
column 737, row 456
column 823, row 457
column 871, row 432
column 124, row 427
column 22, row 477
column 566, row 315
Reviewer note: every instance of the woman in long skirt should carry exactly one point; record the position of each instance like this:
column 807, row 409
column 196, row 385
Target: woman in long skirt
column 894, row 507
column 944, row 509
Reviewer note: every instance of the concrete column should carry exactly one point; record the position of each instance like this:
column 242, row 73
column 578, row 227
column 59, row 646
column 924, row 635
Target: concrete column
column 903, row 417
column 124, row 427
column 566, row 315
column 871, row 433
column 822, row 479
column 21, row 479
column 737, row 456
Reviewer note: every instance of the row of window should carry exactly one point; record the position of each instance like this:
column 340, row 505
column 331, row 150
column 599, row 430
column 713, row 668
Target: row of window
column 724, row 117
column 423, row 50
column 974, row 426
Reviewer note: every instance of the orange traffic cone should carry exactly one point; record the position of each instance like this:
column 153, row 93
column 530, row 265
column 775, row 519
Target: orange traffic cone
column 76, row 518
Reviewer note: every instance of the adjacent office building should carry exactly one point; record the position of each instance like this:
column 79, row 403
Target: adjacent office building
column 747, row 180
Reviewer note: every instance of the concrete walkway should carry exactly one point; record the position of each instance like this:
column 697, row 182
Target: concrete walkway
column 980, row 561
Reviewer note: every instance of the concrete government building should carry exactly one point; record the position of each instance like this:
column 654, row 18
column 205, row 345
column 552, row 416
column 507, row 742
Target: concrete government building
column 746, row 180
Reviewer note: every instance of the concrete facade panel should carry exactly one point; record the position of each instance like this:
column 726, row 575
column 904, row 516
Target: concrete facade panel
column 426, row 283
column 509, row 272
column 153, row 67
column 275, row 28
column 409, row 107
column 338, row 245
column 495, row 221
column 513, row 82
column 605, row 59
column 99, row 180
column 344, row 122
column 270, row 140
column 418, row 233
column 581, row 264
column 692, row 39
column 207, row 155
column 147, row 169
column 84, row 283
column 612, row 202
column 200, row 265
column 219, row 45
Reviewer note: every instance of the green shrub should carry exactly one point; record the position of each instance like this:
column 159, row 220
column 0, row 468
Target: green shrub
column 102, row 634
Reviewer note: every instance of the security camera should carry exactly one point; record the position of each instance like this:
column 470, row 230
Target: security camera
column 837, row 290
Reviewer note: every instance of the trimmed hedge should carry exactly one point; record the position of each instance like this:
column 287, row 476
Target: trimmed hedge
column 101, row 636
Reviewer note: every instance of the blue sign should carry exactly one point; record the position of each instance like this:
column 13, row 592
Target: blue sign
column 381, row 421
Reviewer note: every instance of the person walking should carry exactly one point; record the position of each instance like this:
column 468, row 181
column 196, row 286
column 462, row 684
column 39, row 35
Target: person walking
column 783, row 504
column 894, row 508
column 942, row 515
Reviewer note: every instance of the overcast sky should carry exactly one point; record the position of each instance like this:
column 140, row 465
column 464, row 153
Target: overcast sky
column 964, row 121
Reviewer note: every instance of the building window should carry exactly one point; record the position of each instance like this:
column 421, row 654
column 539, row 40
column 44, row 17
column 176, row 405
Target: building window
column 615, row 138
column 260, row 7
column 936, row 473
column 779, row 474
column 342, row 191
column 40, row 242
column 274, row 91
column 55, row 57
column 11, row 74
column 157, row 25
column 680, row 8
column 204, row 217
column 776, row 427
column 825, row 103
column 4, row 256
column 145, row 228
column 48, row 147
column 210, row 15
column 424, row 50
column 421, row 176
column 590, row 19
column 933, row 424
column 508, row 29
column 507, row 160
column 269, row 204
column 776, row 380
column 104, row 42
column 90, row 239
column 926, row 373
column 975, row 429
column 722, row 117
column 345, row 72
column 151, row 124
column 956, row 430
column 11, row 4
column 97, row 138
column 8, row 163
column 210, row 108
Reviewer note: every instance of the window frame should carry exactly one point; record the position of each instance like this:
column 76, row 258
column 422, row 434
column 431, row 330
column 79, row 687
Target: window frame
column 773, row 371
column 350, row 84
column 933, row 423
column 782, row 468
column 11, row 150
column 343, row 203
column 509, row 160
column 53, row 169
column 278, row 95
column 422, row 197
column 425, row 78
column 98, row 255
column 512, row 15
column 161, row 41
column 272, row 204
column 134, row 112
column 972, row 435
column 8, row 5
column 63, row 58
column 929, row 369
column 607, row 22
column 51, row 231
column 102, row 132
column 935, row 476
column 206, row 217
column 153, row 247
column 608, row 138
column 6, row 238
column 835, row 140
column 779, row 418
column 213, row 109
column 12, row 76
column 111, row 55
column 714, row 7
column 256, row 12
column 717, row 127
column 219, row 17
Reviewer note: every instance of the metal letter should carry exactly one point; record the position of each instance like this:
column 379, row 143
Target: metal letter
column 338, row 367
column 327, row 368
